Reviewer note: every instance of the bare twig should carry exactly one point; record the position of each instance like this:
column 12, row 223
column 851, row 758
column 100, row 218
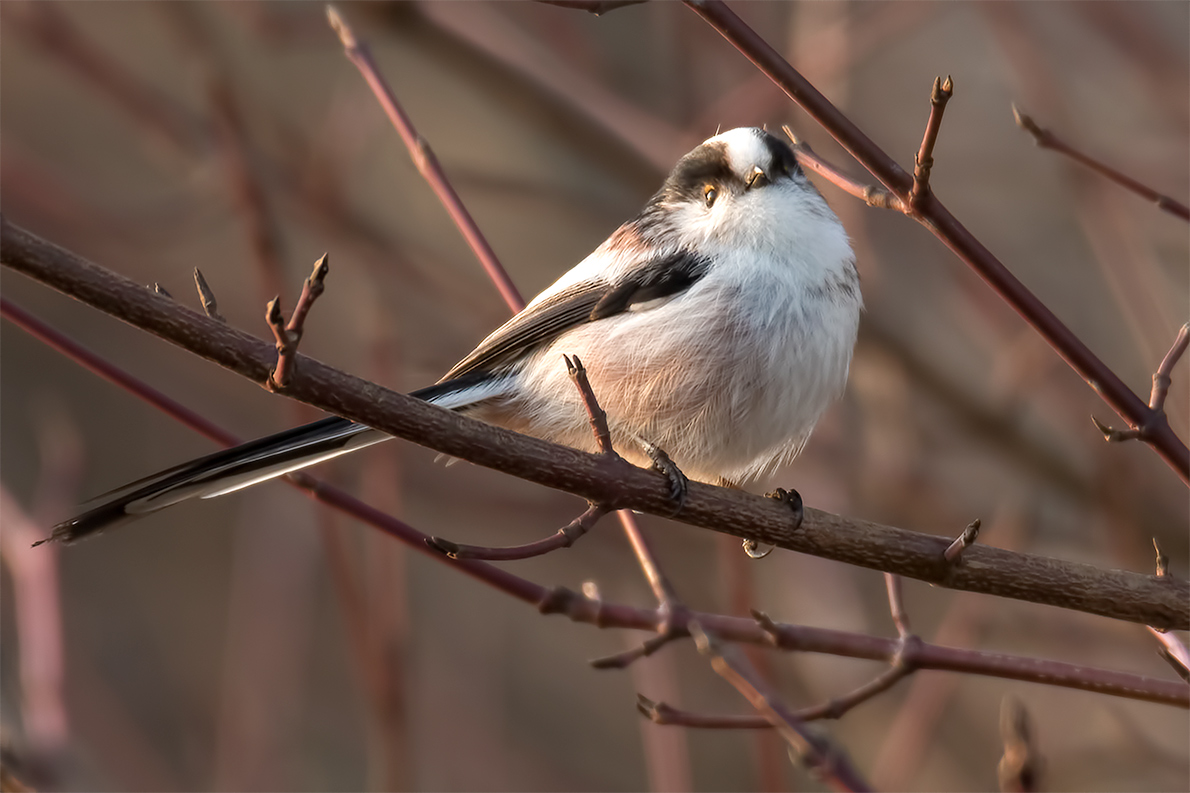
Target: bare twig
column 431, row 170
column 312, row 289
column 938, row 219
column 923, row 161
column 671, row 612
column 578, row 374
column 207, row 295
column 903, row 661
column 896, row 604
column 567, row 535
column 871, row 194
column 1046, row 139
column 424, row 158
column 1162, row 379
column 1162, row 563
column 962, row 542
column 564, row 538
column 661, row 713
column 819, row 754
column 1020, row 766
column 161, row 290
column 289, row 335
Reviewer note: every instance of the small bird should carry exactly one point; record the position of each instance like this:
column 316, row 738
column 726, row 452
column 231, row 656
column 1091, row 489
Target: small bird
column 717, row 325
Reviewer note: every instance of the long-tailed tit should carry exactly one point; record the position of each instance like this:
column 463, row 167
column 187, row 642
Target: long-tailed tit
column 717, row 325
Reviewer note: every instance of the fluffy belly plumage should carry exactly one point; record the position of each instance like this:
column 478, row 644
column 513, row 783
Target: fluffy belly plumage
column 729, row 397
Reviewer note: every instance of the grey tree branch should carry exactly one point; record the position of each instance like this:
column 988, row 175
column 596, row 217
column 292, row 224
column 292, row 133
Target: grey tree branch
column 1149, row 600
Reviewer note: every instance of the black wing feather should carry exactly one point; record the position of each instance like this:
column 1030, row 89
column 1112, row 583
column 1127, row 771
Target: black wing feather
column 588, row 301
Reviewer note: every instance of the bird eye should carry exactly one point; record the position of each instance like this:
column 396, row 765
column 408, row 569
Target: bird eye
column 710, row 194
column 757, row 178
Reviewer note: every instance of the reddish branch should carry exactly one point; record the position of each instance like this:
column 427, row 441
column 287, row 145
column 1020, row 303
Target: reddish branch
column 567, row 535
column 923, row 161
column 903, row 663
column 871, row 194
column 563, row 538
column 937, row 218
column 669, row 605
column 824, row 759
column 1162, row 379
column 1048, row 140
column 596, row 414
column 289, row 335
column 431, row 170
column 424, row 158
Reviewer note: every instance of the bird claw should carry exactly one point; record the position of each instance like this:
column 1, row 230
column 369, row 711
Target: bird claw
column 679, row 485
column 752, row 548
column 791, row 498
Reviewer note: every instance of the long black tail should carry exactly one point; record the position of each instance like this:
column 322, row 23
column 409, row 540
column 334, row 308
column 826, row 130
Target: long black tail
column 242, row 466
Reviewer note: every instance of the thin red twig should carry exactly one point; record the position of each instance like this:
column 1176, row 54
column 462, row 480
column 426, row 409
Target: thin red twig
column 663, row 590
column 896, row 604
column 431, row 170
column 563, row 538
column 871, row 194
column 822, row 757
column 596, row 414
column 289, row 335
column 1162, row 379
column 1046, row 139
column 923, row 161
column 424, row 158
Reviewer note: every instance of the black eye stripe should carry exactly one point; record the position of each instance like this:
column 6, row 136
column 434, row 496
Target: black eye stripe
column 703, row 167
column 707, row 166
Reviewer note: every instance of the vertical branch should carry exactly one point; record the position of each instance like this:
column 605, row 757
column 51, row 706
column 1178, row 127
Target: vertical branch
column 923, row 161
column 425, row 160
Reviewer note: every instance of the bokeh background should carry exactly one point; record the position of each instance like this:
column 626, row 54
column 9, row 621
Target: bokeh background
column 260, row 643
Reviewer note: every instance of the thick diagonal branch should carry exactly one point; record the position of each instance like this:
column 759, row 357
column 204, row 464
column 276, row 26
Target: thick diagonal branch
column 1162, row 603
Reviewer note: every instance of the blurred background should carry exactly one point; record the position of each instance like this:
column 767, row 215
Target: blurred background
column 258, row 642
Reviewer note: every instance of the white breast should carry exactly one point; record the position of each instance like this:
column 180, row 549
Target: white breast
column 728, row 377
